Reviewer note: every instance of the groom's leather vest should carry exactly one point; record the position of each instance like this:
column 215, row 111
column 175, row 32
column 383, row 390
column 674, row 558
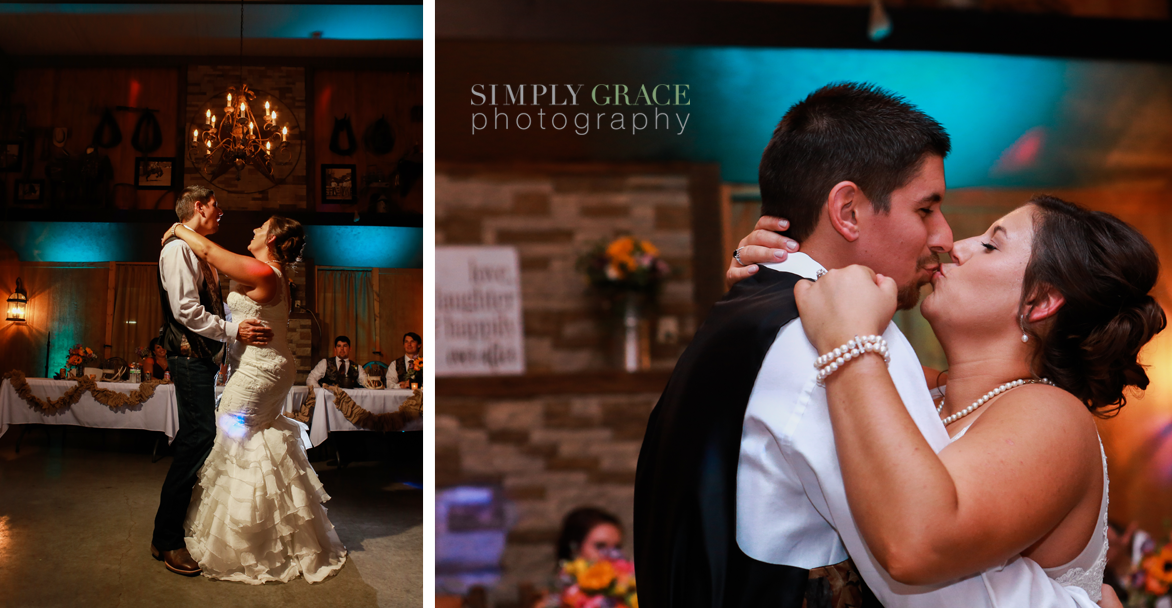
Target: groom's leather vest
column 686, row 552
column 333, row 377
column 174, row 336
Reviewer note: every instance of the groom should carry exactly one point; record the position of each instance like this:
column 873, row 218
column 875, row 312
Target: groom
column 194, row 335
column 739, row 501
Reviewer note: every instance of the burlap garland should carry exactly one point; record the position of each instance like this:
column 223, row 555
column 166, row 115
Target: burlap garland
column 111, row 399
column 409, row 410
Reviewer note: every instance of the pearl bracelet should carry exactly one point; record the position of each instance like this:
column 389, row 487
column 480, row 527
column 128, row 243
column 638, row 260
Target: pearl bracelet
column 830, row 362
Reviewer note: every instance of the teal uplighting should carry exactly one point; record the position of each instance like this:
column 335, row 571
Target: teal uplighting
column 986, row 102
column 339, row 22
column 71, row 241
column 365, row 246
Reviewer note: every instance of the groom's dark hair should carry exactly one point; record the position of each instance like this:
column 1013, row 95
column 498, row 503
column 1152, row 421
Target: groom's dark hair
column 185, row 206
column 844, row 132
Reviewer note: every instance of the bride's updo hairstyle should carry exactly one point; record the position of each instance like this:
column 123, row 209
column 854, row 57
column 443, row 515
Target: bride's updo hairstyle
column 290, row 241
column 1105, row 270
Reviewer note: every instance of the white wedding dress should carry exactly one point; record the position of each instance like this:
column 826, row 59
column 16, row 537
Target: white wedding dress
column 256, row 514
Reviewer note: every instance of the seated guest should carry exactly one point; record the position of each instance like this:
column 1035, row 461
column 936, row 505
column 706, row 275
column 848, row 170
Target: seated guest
column 397, row 373
column 338, row 370
column 155, row 366
column 589, row 533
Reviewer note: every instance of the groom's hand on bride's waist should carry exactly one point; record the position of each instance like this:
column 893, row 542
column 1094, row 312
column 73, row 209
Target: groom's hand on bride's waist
column 252, row 331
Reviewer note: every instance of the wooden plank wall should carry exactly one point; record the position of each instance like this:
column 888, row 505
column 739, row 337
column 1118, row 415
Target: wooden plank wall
column 65, row 298
column 401, row 309
column 365, row 96
column 76, row 98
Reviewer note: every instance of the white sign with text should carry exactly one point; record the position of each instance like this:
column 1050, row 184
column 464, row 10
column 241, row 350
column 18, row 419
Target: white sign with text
column 478, row 312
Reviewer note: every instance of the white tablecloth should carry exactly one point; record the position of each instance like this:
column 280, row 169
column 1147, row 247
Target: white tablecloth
column 327, row 418
column 159, row 413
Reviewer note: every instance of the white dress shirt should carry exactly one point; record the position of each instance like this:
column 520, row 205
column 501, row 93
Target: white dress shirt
column 319, row 371
column 393, row 374
column 791, row 503
column 180, row 271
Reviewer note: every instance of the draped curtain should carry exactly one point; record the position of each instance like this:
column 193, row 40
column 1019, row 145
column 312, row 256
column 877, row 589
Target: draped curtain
column 345, row 303
column 138, row 311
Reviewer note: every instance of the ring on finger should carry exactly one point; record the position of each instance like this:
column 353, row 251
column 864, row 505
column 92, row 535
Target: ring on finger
column 737, row 256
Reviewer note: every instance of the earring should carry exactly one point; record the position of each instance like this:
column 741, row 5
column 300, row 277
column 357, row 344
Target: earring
column 1021, row 322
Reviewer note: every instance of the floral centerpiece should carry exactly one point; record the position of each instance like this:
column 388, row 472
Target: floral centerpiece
column 415, row 371
column 79, row 356
column 627, row 273
column 625, row 265
column 606, row 583
column 1149, row 584
column 143, row 352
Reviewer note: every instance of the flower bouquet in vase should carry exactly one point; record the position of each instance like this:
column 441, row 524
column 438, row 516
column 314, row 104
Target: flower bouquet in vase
column 627, row 273
column 415, row 373
column 79, row 357
column 606, row 583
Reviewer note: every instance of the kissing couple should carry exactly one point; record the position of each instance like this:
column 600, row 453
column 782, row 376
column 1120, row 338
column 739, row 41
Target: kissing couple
column 827, row 468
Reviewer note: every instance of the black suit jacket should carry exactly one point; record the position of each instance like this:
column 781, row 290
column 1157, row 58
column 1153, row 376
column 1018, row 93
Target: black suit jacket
column 686, row 553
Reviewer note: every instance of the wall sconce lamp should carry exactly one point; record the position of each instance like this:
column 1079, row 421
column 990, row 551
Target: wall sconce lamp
column 17, row 302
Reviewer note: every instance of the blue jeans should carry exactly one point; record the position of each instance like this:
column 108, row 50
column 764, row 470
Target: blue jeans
column 195, row 392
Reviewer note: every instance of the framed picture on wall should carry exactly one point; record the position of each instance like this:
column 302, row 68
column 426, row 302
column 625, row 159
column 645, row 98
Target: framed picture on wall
column 154, row 173
column 28, row 193
column 338, row 184
column 11, row 153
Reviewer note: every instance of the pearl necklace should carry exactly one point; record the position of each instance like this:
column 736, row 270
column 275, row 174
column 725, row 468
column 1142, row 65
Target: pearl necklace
column 989, row 395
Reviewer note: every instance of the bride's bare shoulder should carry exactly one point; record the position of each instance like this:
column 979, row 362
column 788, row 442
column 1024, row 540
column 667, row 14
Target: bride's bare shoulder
column 1048, row 414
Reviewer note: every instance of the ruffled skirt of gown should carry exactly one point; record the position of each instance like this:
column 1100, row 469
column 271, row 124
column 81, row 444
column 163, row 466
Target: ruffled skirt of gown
column 256, row 514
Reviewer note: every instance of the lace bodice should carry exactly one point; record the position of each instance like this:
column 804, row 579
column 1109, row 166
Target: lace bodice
column 261, row 375
column 275, row 312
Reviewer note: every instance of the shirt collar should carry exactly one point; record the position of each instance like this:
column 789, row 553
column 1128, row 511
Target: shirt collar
column 799, row 264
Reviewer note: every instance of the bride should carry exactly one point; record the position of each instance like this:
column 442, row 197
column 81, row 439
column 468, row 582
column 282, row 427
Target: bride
column 1042, row 319
column 256, row 514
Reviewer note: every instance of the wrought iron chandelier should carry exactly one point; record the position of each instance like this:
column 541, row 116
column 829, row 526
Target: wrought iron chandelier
column 239, row 139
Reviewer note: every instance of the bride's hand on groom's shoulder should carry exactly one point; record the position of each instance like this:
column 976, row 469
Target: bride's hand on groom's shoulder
column 844, row 303
column 170, row 231
column 764, row 245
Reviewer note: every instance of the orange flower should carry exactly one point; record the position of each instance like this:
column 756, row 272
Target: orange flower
column 597, row 577
column 74, row 360
column 418, row 363
column 1159, row 571
column 648, row 248
column 620, row 247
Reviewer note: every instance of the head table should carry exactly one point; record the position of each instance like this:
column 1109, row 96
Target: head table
column 160, row 412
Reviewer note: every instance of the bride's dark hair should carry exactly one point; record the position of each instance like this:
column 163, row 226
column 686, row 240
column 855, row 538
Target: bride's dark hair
column 1105, row 270
column 290, row 241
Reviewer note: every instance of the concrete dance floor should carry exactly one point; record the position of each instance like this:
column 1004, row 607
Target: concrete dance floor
column 77, row 508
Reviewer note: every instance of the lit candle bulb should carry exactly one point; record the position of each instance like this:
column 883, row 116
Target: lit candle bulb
column 250, row 128
column 242, row 107
column 195, row 136
column 207, row 118
column 229, row 99
column 266, row 109
column 273, row 118
column 268, row 145
column 213, row 121
column 284, row 132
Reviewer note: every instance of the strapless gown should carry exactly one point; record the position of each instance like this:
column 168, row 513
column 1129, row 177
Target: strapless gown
column 256, row 514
